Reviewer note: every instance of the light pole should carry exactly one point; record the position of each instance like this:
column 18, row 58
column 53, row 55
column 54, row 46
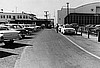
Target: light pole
column 67, row 13
column 46, row 14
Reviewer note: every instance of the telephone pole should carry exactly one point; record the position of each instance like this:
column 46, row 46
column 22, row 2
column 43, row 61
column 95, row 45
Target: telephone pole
column 46, row 14
column 67, row 13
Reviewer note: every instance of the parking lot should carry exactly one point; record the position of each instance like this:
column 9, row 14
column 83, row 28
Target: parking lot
column 12, row 52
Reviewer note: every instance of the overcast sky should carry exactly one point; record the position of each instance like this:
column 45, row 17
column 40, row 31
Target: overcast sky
column 38, row 7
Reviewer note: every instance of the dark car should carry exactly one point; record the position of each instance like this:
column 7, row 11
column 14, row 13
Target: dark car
column 96, row 29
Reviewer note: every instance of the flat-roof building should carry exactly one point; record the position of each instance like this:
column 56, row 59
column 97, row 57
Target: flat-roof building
column 16, row 17
column 83, row 15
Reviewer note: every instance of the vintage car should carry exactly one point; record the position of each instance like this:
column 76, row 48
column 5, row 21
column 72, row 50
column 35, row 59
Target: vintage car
column 8, row 36
column 37, row 28
column 17, row 27
column 67, row 29
column 29, row 27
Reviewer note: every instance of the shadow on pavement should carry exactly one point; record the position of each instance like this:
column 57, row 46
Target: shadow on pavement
column 15, row 45
column 5, row 54
column 28, row 37
column 33, row 34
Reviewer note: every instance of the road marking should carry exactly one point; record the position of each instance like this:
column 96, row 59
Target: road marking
column 81, row 47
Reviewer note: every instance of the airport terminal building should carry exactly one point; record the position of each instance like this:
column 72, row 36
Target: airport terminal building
column 83, row 15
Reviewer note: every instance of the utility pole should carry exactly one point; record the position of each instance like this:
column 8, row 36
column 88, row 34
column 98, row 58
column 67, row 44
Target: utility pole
column 68, row 13
column 46, row 14
column 16, row 9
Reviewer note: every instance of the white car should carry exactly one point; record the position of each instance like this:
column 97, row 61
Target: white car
column 17, row 27
column 67, row 29
column 8, row 36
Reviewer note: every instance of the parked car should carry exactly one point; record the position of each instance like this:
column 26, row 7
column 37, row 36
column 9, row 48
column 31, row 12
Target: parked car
column 96, row 29
column 90, row 27
column 37, row 28
column 8, row 36
column 17, row 27
column 30, row 28
column 67, row 29
column 75, row 26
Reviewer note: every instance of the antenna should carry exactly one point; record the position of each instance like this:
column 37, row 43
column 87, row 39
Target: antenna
column 16, row 9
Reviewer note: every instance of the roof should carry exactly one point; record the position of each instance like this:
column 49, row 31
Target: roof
column 87, row 4
column 17, row 13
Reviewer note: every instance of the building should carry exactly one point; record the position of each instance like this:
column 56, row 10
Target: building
column 48, row 22
column 61, row 14
column 83, row 15
column 18, row 18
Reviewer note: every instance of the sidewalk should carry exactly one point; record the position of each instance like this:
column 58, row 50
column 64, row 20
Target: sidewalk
column 91, row 37
column 90, row 44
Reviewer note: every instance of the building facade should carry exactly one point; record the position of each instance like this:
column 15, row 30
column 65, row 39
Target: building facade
column 61, row 14
column 85, row 14
column 18, row 18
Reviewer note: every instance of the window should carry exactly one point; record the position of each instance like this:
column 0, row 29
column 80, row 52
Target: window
column 1, row 16
column 14, row 17
column 9, row 16
column 92, row 9
column 24, row 16
column 20, row 16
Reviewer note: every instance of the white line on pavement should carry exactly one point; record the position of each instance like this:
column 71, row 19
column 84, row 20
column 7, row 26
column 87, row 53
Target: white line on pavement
column 81, row 47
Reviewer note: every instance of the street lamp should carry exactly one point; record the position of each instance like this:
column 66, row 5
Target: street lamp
column 46, row 12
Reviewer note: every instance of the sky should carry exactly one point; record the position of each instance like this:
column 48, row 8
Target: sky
column 38, row 7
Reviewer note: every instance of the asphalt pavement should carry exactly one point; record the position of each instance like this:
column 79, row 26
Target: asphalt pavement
column 52, row 50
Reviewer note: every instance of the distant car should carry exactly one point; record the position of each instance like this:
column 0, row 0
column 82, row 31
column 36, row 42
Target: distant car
column 17, row 27
column 37, row 28
column 30, row 28
column 8, row 36
column 67, row 29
